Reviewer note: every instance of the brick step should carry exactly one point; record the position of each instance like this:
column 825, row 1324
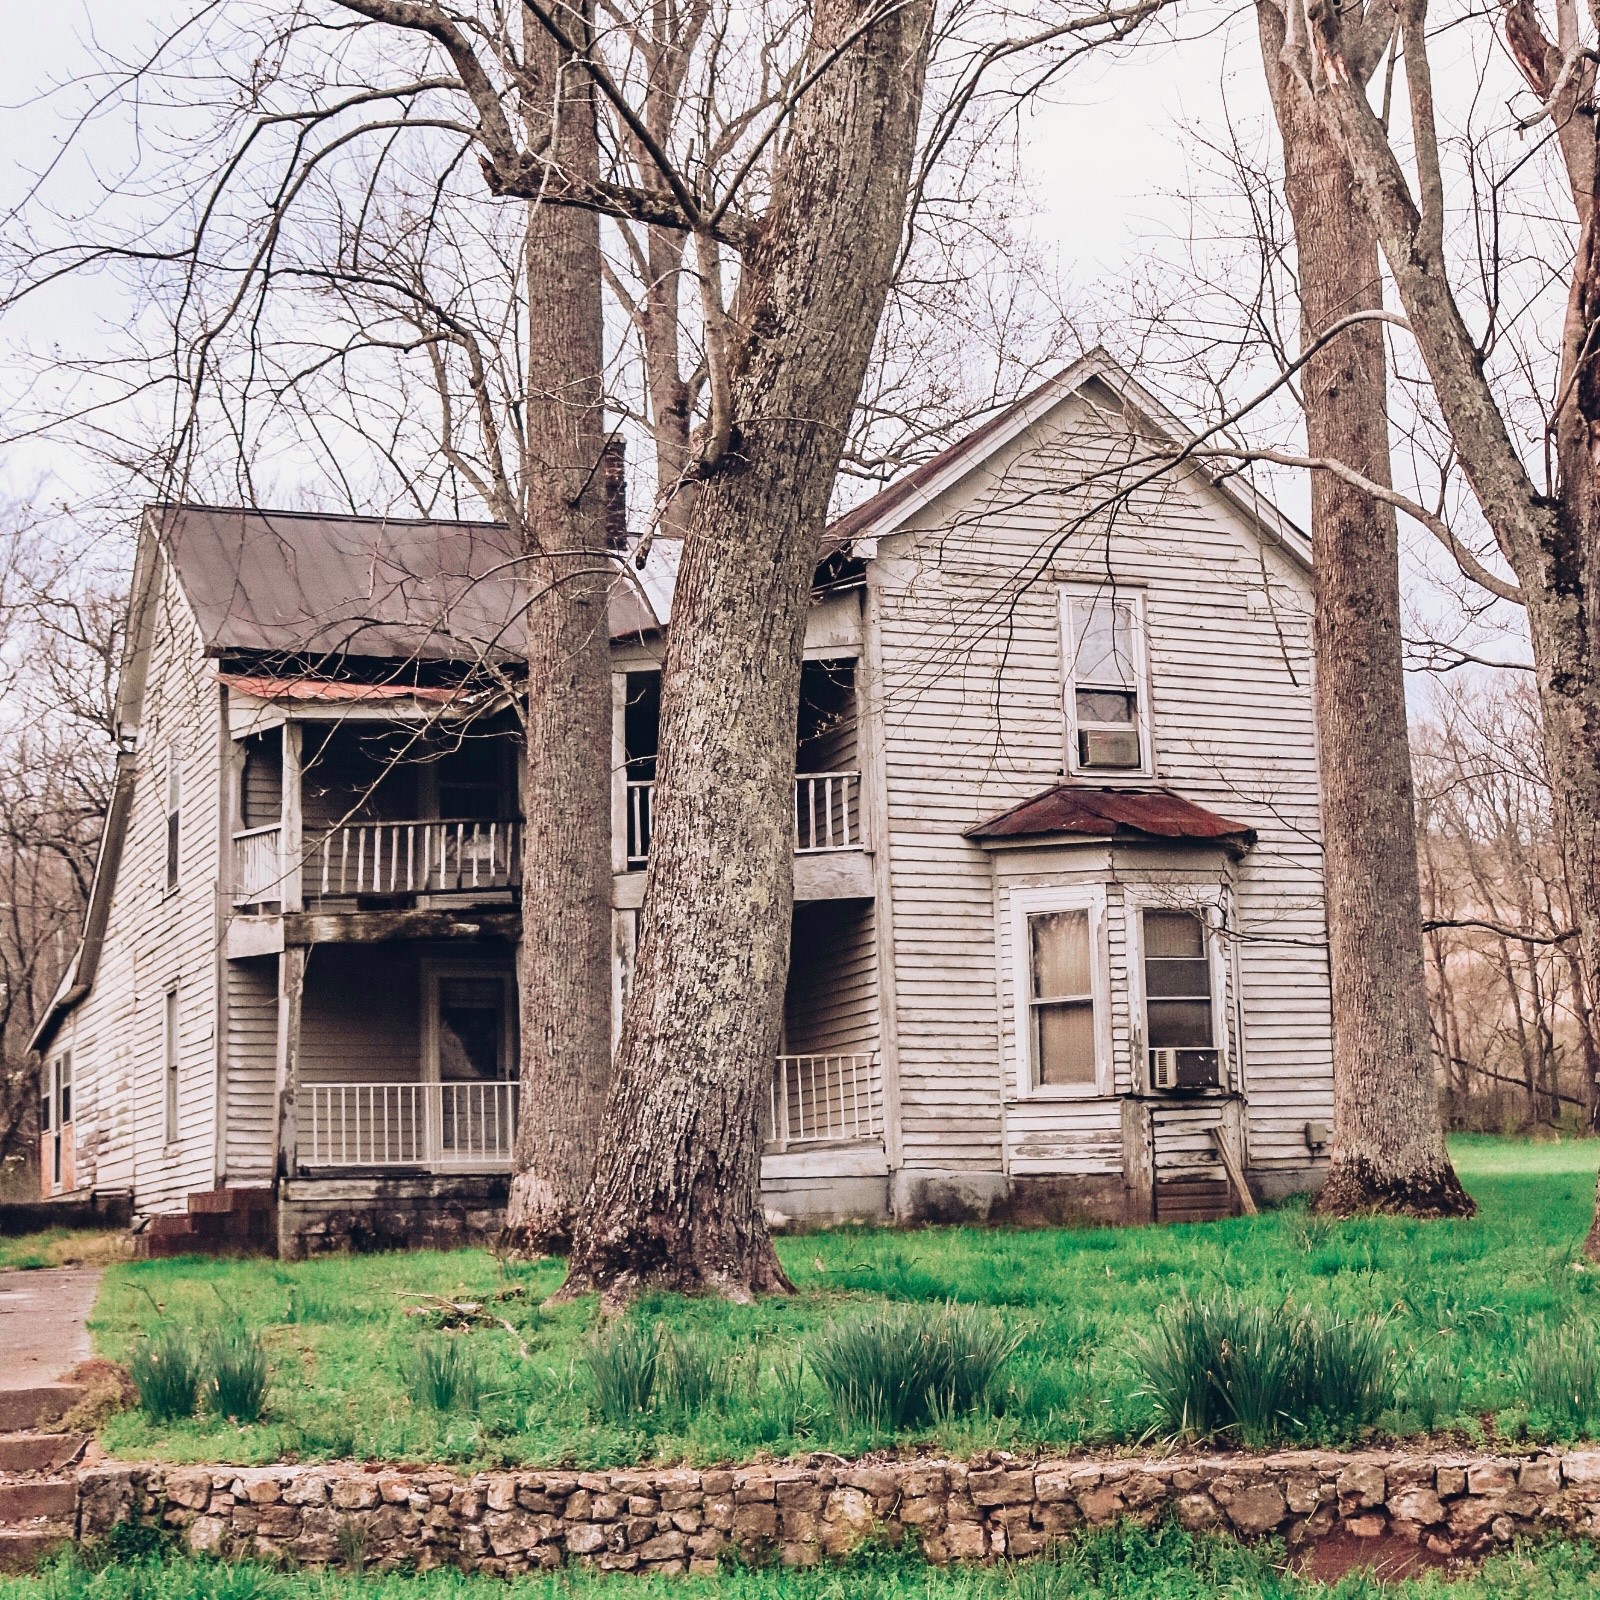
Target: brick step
column 210, row 1228
column 36, row 1407
column 230, row 1202
column 24, row 1549
column 39, row 1452
column 25, row 1500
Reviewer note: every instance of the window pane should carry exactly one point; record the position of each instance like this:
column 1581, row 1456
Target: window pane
column 1103, row 634
column 1105, row 705
column 1173, row 933
column 1063, row 1043
column 1180, row 1024
column 470, row 1018
column 1060, row 954
column 1178, row 980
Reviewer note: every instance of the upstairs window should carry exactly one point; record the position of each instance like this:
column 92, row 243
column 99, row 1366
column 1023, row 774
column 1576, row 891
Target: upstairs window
column 171, row 878
column 1107, row 690
column 1180, row 1020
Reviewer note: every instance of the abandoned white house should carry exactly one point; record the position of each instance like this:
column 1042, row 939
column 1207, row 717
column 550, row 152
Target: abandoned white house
column 1058, row 943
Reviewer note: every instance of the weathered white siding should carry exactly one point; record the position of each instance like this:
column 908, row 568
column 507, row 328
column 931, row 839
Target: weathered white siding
column 971, row 707
column 361, row 1015
column 832, row 1001
column 250, row 1119
column 157, row 941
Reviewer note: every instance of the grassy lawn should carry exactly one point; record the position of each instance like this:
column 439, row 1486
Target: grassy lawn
column 1468, row 1308
column 1125, row 1564
column 61, row 1247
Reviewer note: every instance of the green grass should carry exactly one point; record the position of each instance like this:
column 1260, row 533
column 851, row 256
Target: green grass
column 1122, row 1564
column 61, row 1247
column 1463, row 1302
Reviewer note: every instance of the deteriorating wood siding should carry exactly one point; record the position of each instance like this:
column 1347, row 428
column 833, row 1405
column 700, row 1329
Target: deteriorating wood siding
column 158, row 941
column 972, row 712
column 250, row 1118
column 832, row 1002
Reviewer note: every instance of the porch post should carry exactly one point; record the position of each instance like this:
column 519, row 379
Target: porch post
column 291, row 986
column 291, row 858
column 1139, row 1158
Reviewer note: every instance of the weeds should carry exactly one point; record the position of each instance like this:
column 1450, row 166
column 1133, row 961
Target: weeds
column 166, row 1371
column 236, row 1377
column 624, row 1361
column 1560, row 1376
column 443, row 1375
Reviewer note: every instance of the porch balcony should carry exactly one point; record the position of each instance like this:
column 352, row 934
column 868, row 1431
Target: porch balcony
column 415, row 856
column 827, row 814
column 471, row 1126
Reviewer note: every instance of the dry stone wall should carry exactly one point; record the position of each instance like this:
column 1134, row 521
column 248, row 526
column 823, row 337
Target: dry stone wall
column 678, row 1520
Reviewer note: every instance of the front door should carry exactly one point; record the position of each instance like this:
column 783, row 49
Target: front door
column 472, row 1063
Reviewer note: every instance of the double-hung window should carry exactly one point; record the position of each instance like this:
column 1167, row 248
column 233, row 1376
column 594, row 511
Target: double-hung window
column 173, row 831
column 1180, row 1014
column 1061, row 992
column 1106, row 679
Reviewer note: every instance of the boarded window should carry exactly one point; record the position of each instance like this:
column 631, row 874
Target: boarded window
column 1177, row 981
column 1061, row 999
column 1106, row 695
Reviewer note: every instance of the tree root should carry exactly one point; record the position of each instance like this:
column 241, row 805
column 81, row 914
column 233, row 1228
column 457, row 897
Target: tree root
column 1356, row 1188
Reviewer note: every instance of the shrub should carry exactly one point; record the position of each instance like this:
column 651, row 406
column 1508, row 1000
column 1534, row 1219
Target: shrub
column 443, row 1375
column 1213, row 1367
column 1560, row 1376
column 908, row 1367
column 166, row 1371
column 236, row 1385
column 624, row 1360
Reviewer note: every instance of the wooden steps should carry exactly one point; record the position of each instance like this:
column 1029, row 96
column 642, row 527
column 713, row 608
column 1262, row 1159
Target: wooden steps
column 38, row 1486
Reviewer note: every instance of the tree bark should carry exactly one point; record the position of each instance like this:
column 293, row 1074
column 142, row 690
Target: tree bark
column 1388, row 1143
column 565, row 954
column 675, row 1201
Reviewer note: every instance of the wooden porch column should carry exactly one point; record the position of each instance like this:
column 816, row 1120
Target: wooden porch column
column 291, row 986
column 291, row 857
column 1139, row 1158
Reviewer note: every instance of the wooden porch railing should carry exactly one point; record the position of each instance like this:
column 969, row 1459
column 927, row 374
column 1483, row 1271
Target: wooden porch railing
column 825, row 1099
column 437, row 1126
column 257, row 866
column 827, row 814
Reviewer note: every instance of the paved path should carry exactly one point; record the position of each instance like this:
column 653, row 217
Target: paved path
column 43, row 1323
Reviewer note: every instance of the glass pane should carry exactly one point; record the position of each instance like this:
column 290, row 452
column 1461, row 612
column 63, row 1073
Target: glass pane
column 1103, row 632
column 1173, row 933
column 1180, row 1024
column 1105, row 705
column 471, row 1015
column 1063, row 1043
column 1060, row 953
column 1179, row 980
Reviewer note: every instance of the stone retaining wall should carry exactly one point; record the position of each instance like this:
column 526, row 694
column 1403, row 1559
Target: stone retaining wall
column 685, row 1520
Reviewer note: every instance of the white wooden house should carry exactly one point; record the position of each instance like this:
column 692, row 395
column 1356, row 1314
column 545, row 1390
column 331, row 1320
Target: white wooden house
column 1059, row 933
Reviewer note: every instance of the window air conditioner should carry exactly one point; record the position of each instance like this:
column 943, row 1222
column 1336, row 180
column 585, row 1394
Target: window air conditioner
column 1184, row 1069
column 1113, row 747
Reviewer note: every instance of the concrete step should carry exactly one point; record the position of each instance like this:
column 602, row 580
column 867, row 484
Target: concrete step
column 39, row 1452
column 24, row 1549
column 37, row 1500
column 37, row 1407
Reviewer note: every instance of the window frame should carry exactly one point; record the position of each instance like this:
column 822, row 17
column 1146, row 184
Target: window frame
column 1026, row 903
column 171, row 1066
column 172, row 826
column 1209, row 905
column 1112, row 594
column 435, row 972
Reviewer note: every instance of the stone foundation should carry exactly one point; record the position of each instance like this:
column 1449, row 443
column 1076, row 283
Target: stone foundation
column 677, row 1520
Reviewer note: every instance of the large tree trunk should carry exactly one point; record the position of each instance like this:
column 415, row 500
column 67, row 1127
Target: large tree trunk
column 566, row 877
column 1388, row 1145
column 675, row 1200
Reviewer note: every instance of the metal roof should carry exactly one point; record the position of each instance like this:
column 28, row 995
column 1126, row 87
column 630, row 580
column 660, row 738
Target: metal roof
column 1114, row 814
column 392, row 588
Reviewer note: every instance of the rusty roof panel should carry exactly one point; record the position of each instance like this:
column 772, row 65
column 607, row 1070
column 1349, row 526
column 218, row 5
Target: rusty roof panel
column 1114, row 814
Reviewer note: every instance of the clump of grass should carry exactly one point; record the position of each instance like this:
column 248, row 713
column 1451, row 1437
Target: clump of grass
column 166, row 1371
column 311, row 1305
column 1560, row 1377
column 1220, row 1367
column 689, row 1368
column 442, row 1374
column 236, row 1379
column 625, row 1362
column 911, row 1366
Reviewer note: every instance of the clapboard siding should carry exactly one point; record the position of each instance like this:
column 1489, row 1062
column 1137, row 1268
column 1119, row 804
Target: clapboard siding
column 250, row 1070
column 361, row 1016
column 831, row 1006
column 156, row 941
column 967, row 604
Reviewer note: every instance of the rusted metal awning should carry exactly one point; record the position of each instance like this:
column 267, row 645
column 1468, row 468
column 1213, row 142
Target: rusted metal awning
column 1094, row 813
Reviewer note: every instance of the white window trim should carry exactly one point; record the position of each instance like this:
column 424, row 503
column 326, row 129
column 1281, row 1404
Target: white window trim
column 1066, row 897
column 1207, row 901
column 171, row 1067
column 171, row 806
column 432, row 973
column 1134, row 598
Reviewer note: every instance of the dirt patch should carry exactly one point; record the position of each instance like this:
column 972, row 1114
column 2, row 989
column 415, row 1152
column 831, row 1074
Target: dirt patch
column 1388, row 1557
column 107, row 1389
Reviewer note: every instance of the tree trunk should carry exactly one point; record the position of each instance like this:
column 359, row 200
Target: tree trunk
column 566, row 878
column 1388, row 1145
column 675, row 1201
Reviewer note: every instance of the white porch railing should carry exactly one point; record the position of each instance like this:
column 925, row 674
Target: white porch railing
column 827, row 814
column 440, row 1126
column 421, row 857
column 825, row 1099
column 257, row 866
